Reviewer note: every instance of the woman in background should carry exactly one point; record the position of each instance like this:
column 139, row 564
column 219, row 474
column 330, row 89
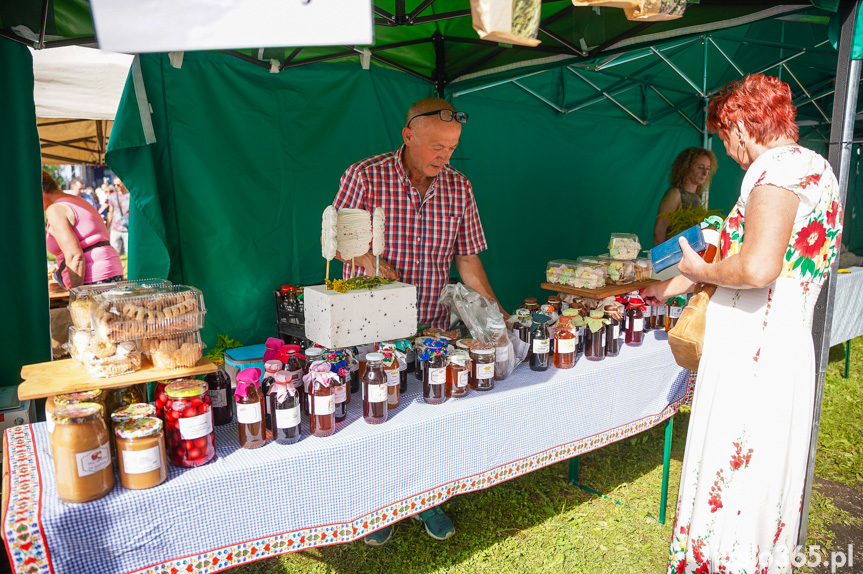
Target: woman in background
column 690, row 175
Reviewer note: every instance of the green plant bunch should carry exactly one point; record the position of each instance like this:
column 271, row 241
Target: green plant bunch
column 681, row 219
column 217, row 353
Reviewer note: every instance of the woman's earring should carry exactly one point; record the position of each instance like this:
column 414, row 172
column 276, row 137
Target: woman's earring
column 741, row 144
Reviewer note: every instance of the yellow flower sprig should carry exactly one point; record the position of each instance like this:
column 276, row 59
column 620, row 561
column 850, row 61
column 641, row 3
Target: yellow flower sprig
column 345, row 285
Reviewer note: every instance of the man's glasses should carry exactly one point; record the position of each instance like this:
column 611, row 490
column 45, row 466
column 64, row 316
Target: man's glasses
column 445, row 115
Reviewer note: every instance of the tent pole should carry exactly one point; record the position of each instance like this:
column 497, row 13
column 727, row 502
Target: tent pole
column 45, row 5
column 440, row 64
column 841, row 134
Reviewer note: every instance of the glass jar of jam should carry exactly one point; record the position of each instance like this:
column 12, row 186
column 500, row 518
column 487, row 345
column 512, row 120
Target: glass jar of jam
column 322, row 404
column 124, row 415
column 612, row 330
column 594, row 344
column 555, row 302
column 657, row 316
column 482, row 368
column 68, row 400
column 540, row 348
column 285, row 406
column 565, row 344
column 457, row 374
column 522, row 325
column 374, row 390
column 675, row 309
column 434, row 372
column 82, row 453
column 313, row 355
column 341, row 392
column 531, row 304
column 634, row 321
column 419, row 349
column 189, row 423
column 160, row 398
column 141, row 453
column 391, row 371
column 120, row 397
column 219, row 389
column 249, row 401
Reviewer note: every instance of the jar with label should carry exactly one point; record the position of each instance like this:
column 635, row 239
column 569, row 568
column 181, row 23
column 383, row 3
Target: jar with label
column 410, row 357
column 657, row 316
column 594, row 335
column 294, row 363
column 374, row 390
column 68, row 400
column 675, row 309
column 635, row 309
column 82, row 453
column 341, row 391
column 285, row 406
column 434, row 373
column 403, row 348
column 160, row 398
column 565, row 343
column 482, row 363
column 339, row 360
column 420, row 364
column 322, row 404
column 124, row 415
column 540, row 347
column 141, row 453
column 189, row 423
column 502, row 348
column 219, row 391
column 612, row 330
column 249, row 401
column 120, row 397
column 555, row 302
column 457, row 374
column 354, row 387
column 271, row 367
column 391, row 371
column 522, row 325
column 531, row 304
column 313, row 354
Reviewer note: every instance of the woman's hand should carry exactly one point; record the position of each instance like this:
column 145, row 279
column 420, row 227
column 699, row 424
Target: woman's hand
column 692, row 265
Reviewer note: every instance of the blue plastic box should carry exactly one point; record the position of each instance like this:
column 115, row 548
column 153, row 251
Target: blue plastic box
column 244, row 358
column 667, row 254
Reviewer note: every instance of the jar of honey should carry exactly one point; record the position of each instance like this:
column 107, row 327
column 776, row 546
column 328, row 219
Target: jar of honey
column 457, row 374
column 482, row 368
column 82, row 453
column 141, row 453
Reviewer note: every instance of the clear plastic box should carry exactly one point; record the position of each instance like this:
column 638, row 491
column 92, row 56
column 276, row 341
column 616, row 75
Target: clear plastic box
column 643, row 269
column 575, row 274
column 624, row 246
column 100, row 358
column 125, row 315
column 81, row 297
column 173, row 351
column 618, row 272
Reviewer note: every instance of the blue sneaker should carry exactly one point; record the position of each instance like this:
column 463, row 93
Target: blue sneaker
column 379, row 537
column 438, row 525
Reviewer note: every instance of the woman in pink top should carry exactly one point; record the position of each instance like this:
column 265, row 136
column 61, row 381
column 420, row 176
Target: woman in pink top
column 78, row 238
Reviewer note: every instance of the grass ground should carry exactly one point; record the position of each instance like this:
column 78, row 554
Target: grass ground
column 541, row 523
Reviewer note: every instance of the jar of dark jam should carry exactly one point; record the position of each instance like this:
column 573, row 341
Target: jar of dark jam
column 531, row 304
column 540, row 348
column 374, row 390
column 219, row 391
column 594, row 344
column 521, row 327
column 634, row 321
column 434, row 372
column 612, row 330
column 565, row 343
column 284, row 402
column 482, row 363
column 555, row 302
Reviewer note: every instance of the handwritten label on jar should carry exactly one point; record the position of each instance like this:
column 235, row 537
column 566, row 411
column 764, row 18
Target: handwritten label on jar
column 674, row 312
column 288, row 418
column 93, row 461
column 141, row 461
column 393, row 377
column 438, row 376
column 341, row 393
column 566, row 346
column 219, row 398
column 249, row 414
column 462, row 379
column 541, row 346
column 501, row 354
column 196, row 427
column 377, row 393
column 485, row 371
column 325, row 405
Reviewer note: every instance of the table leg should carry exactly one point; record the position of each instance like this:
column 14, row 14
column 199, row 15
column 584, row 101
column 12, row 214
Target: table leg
column 573, row 470
column 666, row 462
column 847, row 357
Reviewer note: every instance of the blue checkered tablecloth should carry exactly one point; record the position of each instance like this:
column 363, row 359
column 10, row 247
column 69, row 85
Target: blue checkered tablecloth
column 249, row 504
column 847, row 307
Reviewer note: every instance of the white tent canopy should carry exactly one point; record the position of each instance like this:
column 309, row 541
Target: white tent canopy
column 77, row 91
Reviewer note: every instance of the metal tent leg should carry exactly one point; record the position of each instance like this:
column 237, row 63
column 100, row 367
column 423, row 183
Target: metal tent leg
column 666, row 463
column 847, row 357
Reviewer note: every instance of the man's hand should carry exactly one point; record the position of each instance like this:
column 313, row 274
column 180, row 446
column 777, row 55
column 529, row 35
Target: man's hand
column 386, row 270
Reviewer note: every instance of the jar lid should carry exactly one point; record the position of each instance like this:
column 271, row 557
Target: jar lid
column 139, row 428
column 134, row 411
column 483, row 350
column 374, row 357
column 184, row 388
column 449, row 335
column 530, row 301
column 432, row 331
column 496, row 324
column 571, row 312
column 75, row 398
column 314, row 352
column 522, row 312
column 273, row 365
column 547, row 308
column 459, row 357
column 78, row 413
column 283, row 377
column 465, row 343
column 553, row 299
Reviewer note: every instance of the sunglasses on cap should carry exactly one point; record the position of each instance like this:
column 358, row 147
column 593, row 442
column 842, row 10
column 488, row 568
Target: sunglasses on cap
column 445, row 115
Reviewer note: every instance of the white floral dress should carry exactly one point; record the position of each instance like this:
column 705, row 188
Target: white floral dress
column 744, row 468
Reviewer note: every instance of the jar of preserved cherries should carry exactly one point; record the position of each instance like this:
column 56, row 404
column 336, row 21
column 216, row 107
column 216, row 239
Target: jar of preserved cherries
column 219, row 389
column 189, row 423
column 482, row 368
column 457, row 374
column 160, row 398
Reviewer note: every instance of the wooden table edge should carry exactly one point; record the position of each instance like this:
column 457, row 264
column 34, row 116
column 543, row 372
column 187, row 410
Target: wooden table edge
column 607, row 291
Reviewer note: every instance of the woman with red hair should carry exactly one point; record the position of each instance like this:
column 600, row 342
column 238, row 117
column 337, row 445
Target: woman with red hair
column 741, row 491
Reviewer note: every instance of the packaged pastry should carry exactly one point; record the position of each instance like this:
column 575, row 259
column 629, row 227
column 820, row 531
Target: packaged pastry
column 643, row 269
column 121, row 315
column 82, row 453
column 575, row 274
column 618, row 271
column 624, row 246
column 81, row 297
column 141, row 453
column 173, row 351
column 101, row 358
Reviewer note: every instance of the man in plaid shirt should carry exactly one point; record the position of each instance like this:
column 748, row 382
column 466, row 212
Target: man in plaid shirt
column 431, row 220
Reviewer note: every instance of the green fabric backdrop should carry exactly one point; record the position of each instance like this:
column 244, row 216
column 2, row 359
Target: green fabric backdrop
column 25, row 337
column 229, row 197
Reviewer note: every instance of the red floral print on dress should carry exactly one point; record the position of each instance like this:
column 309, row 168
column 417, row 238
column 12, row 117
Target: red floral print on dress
column 834, row 211
column 738, row 459
column 778, row 531
column 811, row 239
column 811, row 179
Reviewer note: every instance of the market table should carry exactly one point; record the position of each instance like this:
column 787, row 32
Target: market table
column 847, row 311
column 253, row 504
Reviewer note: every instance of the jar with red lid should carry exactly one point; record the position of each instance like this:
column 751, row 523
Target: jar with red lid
column 189, row 423
column 635, row 309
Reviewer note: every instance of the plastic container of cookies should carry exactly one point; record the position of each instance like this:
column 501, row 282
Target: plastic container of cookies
column 625, row 246
column 173, row 351
column 126, row 315
column 643, row 269
column 101, row 358
column 81, row 297
column 618, row 272
column 576, row 274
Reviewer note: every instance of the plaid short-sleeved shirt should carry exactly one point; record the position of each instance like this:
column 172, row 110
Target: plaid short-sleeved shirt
column 422, row 235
